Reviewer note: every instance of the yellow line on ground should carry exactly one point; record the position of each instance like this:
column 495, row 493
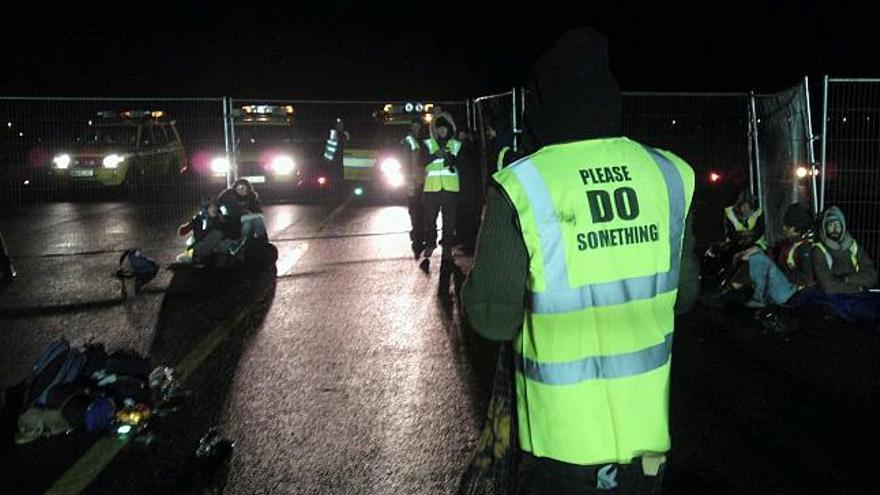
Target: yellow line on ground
column 78, row 477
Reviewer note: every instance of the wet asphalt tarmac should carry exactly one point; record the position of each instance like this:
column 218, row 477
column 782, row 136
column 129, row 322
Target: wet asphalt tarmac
column 342, row 371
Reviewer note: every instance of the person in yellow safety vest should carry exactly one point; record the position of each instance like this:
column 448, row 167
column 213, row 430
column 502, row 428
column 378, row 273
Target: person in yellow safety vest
column 777, row 275
column 583, row 248
column 334, row 153
column 412, row 144
column 841, row 265
column 442, row 186
column 744, row 223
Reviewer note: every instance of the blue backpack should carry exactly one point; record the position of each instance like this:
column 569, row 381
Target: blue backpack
column 59, row 364
column 140, row 267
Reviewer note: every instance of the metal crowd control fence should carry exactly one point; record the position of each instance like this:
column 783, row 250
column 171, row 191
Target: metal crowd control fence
column 498, row 123
column 708, row 130
column 91, row 148
column 785, row 168
column 364, row 135
column 850, row 161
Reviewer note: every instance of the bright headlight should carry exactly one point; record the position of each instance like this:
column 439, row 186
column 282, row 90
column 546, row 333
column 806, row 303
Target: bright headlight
column 390, row 166
column 62, row 161
column 220, row 165
column 282, row 165
column 395, row 180
column 112, row 160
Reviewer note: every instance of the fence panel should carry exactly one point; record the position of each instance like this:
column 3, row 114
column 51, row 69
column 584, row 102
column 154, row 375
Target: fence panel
column 786, row 173
column 851, row 156
column 708, row 130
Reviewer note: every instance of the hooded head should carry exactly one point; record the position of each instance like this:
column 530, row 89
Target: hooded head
column 572, row 95
column 443, row 120
column 833, row 230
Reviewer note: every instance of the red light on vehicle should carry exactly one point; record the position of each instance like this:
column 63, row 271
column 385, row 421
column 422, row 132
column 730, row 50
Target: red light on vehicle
column 322, row 180
column 714, row 177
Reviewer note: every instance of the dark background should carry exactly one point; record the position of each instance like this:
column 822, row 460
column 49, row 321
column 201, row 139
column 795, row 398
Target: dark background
column 373, row 50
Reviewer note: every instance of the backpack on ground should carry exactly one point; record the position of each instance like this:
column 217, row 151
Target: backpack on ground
column 134, row 264
column 57, row 365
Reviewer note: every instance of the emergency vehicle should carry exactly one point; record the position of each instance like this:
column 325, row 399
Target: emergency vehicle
column 268, row 151
column 127, row 147
column 381, row 165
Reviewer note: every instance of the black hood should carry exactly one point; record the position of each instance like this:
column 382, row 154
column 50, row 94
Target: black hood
column 745, row 196
column 573, row 96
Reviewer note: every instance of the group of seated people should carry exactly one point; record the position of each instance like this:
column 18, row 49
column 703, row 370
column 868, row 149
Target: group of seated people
column 222, row 229
column 816, row 263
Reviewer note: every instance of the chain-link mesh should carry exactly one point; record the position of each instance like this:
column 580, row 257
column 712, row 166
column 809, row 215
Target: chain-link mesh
column 494, row 120
column 98, row 148
column 710, row 132
column 337, row 148
column 785, row 170
column 852, row 157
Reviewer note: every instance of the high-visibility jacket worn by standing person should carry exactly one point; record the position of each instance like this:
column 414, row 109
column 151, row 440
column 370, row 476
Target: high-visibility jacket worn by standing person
column 603, row 222
column 439, row 175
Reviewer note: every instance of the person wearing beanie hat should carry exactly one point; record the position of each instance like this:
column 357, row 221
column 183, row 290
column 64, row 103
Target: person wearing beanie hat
column 577, row 279
column 777, row 282
column 744, row 223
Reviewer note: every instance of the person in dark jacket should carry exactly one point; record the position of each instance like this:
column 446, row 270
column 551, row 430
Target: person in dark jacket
column 242, row 215
column 206, row 228
column 7, row 271
column 844, row 271
column 469, row 205
column 575, row 98
column 777, row 275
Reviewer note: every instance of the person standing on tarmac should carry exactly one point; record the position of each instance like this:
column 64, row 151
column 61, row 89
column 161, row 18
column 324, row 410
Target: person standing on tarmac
column 334, row 154
column 7, row 271
column 578, row 262
column 412, row 143
column 442, row 187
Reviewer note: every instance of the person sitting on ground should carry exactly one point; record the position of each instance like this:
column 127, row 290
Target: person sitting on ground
column 844, row 271
column 242, row 215
column 207, row 239
column 778, row 282
column 744, row 223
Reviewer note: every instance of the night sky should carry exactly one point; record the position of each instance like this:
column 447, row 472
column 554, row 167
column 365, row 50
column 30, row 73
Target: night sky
column 401, row 50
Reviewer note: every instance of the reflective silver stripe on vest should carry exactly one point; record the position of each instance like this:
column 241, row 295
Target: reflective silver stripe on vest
column 558, row 296
column 597, row 367
column 442, row 173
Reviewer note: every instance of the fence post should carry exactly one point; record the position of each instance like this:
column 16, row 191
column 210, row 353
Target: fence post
column 824, row 141
column 484, row 169
column 514, row 121
column 811, row 151
column 758, row 173
column 227, row 139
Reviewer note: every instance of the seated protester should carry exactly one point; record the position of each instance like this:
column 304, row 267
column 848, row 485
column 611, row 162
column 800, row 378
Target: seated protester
column 844, row 271
column 744, row 223
column 207, row 239
column 778, row 275
column 242, row 215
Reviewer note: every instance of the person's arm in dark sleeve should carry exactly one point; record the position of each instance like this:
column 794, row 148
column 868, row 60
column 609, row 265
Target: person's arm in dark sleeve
column 826, row 280
column 689, row 274
column 255, row 206
column 802, row 275
column 760, row 228
column 493, row 297
column 866, row 277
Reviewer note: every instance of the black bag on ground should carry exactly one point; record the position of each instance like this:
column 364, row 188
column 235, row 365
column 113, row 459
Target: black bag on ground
column 779, row 321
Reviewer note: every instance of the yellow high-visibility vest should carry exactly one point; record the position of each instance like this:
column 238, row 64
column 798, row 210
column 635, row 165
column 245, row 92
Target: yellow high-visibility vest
column 603, row 222
column 438, row 176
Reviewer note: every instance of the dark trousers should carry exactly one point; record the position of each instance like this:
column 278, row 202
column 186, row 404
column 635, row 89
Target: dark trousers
column 433, row 204
column 538, row 475
column 6, row 269
column 417, row 220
